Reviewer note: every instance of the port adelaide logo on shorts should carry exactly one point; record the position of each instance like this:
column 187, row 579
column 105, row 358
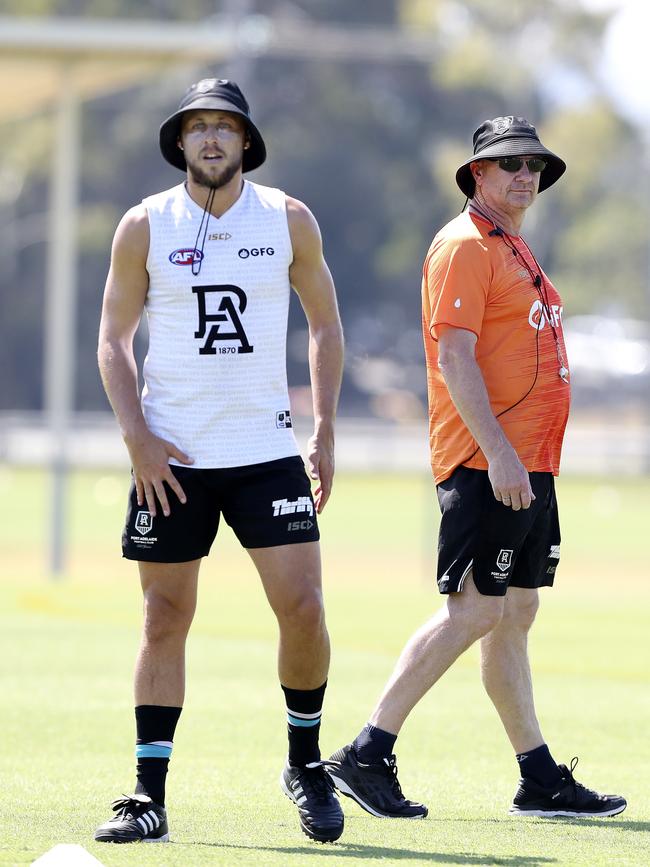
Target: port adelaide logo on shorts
column 144, row 525
column 504, row 560
column 503, row 564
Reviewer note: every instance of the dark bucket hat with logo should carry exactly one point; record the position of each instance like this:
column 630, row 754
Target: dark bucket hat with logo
column 214, row 94
column 509, row 137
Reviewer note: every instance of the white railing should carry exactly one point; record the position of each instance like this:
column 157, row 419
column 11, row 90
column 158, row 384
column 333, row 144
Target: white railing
column 362, row 444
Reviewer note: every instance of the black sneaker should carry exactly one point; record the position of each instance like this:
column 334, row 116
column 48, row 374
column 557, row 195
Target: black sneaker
column 136, row 818
column 311, row 790
column 374, row 787
column 566, row 798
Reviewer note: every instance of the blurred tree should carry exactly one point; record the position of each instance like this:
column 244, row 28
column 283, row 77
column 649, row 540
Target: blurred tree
column 372, row 148
column 541, row 62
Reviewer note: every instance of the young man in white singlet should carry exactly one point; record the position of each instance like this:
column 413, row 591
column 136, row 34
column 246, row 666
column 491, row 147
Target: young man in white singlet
column 212, row 262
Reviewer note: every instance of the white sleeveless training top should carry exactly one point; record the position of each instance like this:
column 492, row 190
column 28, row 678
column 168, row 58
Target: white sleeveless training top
column 215, row 372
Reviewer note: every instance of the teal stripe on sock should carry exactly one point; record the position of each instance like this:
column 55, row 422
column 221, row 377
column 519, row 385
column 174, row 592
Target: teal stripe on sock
column 152, row 751
column 305, row 723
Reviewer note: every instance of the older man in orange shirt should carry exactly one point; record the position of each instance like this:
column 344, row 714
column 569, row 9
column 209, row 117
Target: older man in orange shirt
column 499, row 398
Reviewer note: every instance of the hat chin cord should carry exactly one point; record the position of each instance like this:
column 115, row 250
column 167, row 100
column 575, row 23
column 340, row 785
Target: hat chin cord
column 482, row 208
column 205, row 219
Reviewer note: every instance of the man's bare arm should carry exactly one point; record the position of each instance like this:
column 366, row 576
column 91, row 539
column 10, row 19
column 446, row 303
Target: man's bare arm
column 457, row 362
column 312, row 280
column 124, row 297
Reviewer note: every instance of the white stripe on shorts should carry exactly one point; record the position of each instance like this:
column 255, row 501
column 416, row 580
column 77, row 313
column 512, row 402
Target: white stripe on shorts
column 468, row 569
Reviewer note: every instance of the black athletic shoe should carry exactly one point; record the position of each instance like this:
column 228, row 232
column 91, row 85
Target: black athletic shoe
column 311, row 790
column 565, row 798
column 136, row 818
column 374, row 787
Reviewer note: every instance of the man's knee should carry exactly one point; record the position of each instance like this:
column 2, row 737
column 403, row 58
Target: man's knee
column 486, row 617
column 475, row 613
column 521, row 608
column 302, row 610
column 166, row 617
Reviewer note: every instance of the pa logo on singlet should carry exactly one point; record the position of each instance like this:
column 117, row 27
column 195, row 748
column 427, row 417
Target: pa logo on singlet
column 225, row 321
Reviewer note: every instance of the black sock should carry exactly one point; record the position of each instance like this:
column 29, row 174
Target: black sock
column 304, row 707
column 539, row 765
column 372, row 744
column 155, row 726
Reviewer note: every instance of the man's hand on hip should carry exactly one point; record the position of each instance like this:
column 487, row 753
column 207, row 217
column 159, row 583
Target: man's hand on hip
column 150, row 461
column 510, row 480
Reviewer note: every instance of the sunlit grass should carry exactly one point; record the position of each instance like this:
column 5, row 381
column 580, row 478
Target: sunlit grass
column 67, row 649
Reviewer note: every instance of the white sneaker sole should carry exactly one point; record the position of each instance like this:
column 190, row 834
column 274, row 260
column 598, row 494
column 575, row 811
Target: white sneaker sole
column 163, row 839
column 569, row 814
column 343, row 787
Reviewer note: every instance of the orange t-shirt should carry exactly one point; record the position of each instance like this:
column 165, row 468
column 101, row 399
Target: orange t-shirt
column 474, row 281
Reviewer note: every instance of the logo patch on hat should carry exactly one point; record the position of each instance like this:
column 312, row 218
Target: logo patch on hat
column 208, row 84
column 502, row 124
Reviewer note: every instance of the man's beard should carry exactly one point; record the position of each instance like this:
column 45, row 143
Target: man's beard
column 205, row 179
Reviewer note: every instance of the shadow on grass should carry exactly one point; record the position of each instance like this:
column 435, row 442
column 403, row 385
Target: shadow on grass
column 383, row 853
column 595, row 822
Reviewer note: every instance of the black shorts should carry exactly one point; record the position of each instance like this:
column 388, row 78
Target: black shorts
column 266, row 505
column 502, row 548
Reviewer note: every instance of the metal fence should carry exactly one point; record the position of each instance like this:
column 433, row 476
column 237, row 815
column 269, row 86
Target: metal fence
column 592, row 446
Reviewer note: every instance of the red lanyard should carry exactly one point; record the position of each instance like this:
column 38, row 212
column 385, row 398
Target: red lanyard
column 538, row 282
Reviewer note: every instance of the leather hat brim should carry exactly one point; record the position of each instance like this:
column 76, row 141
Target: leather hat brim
column 514, row 147
column 170, row 132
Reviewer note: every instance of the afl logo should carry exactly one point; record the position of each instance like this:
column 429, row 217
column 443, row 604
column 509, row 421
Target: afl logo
column 185, row 256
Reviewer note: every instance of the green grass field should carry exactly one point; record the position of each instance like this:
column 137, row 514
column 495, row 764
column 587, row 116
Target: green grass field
column 67, row 652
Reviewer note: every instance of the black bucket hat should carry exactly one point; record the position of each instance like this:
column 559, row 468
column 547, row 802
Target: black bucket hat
column 509, row 137
column 214, row 94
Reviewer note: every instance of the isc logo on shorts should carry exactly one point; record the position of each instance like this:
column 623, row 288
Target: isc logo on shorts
column 299, row 525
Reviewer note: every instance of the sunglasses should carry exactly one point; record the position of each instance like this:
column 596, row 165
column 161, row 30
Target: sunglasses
column 513, row 164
